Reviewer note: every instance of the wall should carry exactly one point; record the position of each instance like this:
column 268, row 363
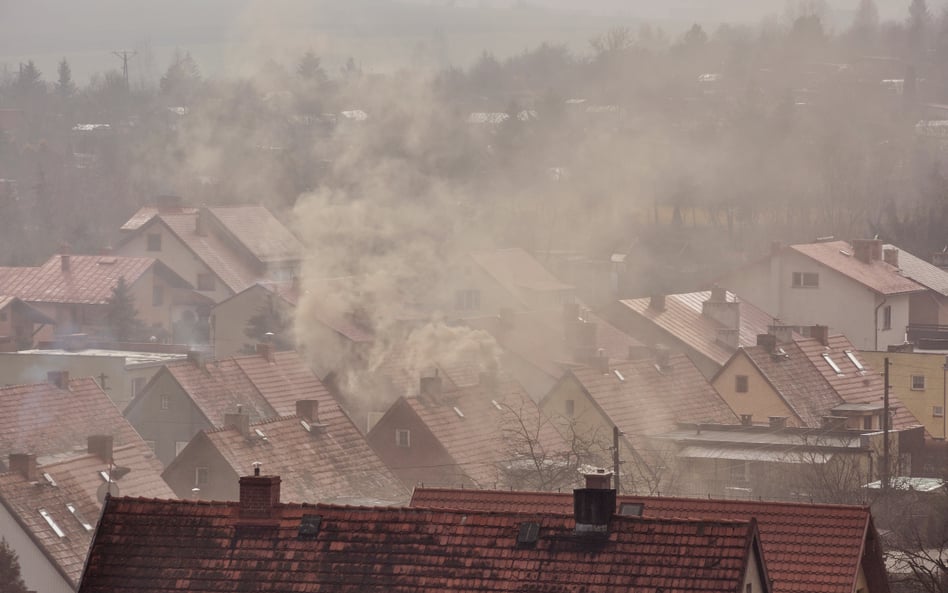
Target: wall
column 905, row 364
column 36, row 569
column 223, row 482
column 180, row 422
column 467, row 275
column 753, row 576
column 229, row 320
column 761, row 400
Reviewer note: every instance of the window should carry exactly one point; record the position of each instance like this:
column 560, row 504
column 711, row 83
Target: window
column 741, row 384
column 887, row 317
column 157, row 295
column 179, row 447
column 165, row 401
column 938, row 411
column 75, row 513
column 806, row 280
column 402, row 437
column 570, row 408
column 852, row 358
column 832, row 364
column 200, row 476
column 52, row 524
column 918, row 382
column 467, row 300
column 205, row 282
column 154, row 242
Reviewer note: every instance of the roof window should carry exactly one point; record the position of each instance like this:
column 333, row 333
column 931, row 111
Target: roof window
column 458, row 411
column 309, row 527
column 75, row 513
column 529, row 533
column 631, row 509
column 852, row 358
column 49, row 479
column 619, row 375
column 52, row 524
column 832, row 364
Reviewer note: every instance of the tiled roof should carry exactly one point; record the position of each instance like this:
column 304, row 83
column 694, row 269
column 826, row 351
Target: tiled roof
column 484, row 437
column 518, row 272
column 44, row 420
column 648, row 401
column 921, row 271
column 334, row 464
column 682, row 319
column 852, row 385
column 21, row 308
column 89, row 280
column 809, row 548
column 284, row 381
column 221, row 258
column 795, row 378
column 877, row 275
column 168, row 546
column 259, row 232
column 402, row 374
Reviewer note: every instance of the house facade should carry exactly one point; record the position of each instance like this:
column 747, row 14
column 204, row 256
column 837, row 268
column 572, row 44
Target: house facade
column 919, row 379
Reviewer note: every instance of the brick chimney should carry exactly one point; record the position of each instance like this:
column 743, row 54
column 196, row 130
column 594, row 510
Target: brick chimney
column 820, row 333
column 259, row 496
column 431, row 386
column 58, row 378
column 657, row 302
column 267, row 350
column 867, row 250
column 783, row 333
column 25, row 465
column 198, row 358
column 238, row 420
column 768, row 342
column 940, row 259
column 100, row 445
column 594, row 505
column 308, row 410
column 64, row 251
column 891, row 256
column 201, row 222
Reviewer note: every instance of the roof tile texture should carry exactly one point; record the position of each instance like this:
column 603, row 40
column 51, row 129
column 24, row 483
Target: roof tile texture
column 876, row 275
column 88, row 280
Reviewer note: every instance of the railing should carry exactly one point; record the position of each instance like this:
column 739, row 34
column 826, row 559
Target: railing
column 928, row 336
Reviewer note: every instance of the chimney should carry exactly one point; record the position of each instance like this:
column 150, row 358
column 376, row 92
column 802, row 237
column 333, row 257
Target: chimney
column 747, row 419
column 729, row 337
column 594, row 505
column 768, row 342
column 778, row 421
column 891, row 256
column 25, row 465
column 259, row 496
column 431, row 386
column 940, row 259
column 267, row 351
column 820, row 333
column 198, row 358
column 867, row 250
column 201, row 222
column 600, row 361
column 58, row 378
column 719, row 309
column 657, row 302
column 308, row 409
column 64, row 251
column 239, row 420
column 783, row 333
column 100, row 445
column 833, row 423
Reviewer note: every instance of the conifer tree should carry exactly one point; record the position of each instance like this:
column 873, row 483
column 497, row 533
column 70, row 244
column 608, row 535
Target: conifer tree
column 121, row 316
column 11, row 581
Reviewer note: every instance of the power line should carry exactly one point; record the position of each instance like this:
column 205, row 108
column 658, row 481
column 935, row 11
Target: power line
column 124, row 55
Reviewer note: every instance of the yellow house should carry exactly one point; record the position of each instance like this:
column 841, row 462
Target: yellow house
column 641, row 398
column 919, row 378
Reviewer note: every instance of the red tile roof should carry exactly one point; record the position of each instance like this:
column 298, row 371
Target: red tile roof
column 809, row 548
column 167, row 546
column 682, row 319
column 284, row 381
column 334, row 464
column 257, row 230
column 518, row 272
column 45, row 420
column 485, row 439
column 877, row 275
column 89, row 279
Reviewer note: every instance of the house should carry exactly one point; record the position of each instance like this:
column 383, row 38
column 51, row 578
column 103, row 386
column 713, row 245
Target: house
column 929, row 311
column 56, row 417
column 490, row 433
column 502, row 279
column 220, row 250
column 18, row 324
column 120, row 373
column 810, row 548
column 708, row 326
column 269, row 545
column 537, row 345
column 919, row 379
column 638, row 399
column 188, row 396
column 48, row 512
column 809, row 382
column 855, row 289
column 318, row 451
column 74, row 290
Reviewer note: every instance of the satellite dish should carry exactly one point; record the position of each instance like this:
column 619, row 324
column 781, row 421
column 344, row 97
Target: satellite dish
column 110, row 488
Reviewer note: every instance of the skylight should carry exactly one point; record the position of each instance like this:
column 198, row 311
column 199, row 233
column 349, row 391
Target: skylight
column 260, row 433
column 458, row 411
column 529, row 533
column 75, row 513
column 496, row 405
column 852, row 358
column 832, row 364
column 105, row 476
column 49, row 520
column 619, row 375
column 305, row 425
column 49, row 479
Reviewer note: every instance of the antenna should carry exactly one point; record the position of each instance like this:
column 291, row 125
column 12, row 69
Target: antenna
column 124, row 55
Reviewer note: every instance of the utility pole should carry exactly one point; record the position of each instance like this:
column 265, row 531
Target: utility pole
column 615, row 456
column 124, row 55
column 885, row 427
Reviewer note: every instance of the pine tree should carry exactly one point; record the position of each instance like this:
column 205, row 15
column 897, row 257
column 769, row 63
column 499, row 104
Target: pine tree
column 11, row 581
column 121, row 315
column 269, row 325
column 310, row 68
column 65, row 87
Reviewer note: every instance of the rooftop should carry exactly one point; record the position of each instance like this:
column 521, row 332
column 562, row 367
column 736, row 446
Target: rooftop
column 921, row 271
column 132, row 358
column 876, row 275
column 518, row 272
